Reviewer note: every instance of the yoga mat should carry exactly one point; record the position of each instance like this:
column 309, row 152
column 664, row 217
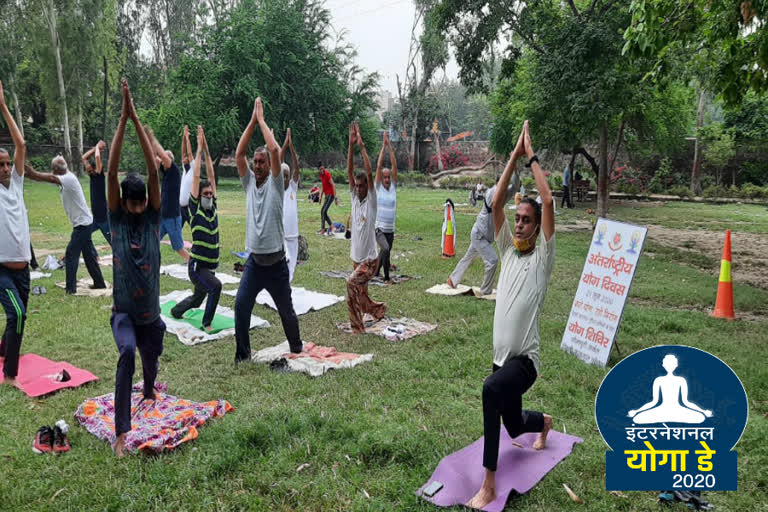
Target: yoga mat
column 519, row 469
column 182, row 272
column 474, row 291
column 194, row 317
column 84, row 288
column 242, row 255
column 35, row 274
column 304, row 300
column 35, row 377
column 187, row 245
column 314, row 360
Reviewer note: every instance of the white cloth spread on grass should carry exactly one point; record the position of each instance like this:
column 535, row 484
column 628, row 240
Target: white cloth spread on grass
column 182, row 272
column 444, row 289
column 309, row 365
column 393, row 329
column 84, row 288
column 34, row 274
column 304, row 300
column 189, row 335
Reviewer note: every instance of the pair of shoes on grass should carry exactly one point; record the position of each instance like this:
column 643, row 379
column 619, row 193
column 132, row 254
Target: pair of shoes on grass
column 39, row 290
column 52, row 440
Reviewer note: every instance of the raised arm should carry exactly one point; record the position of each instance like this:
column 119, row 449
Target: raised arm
column 184, row 154
column 20, row 147
column 97, row 157
column 153, row 180
column 155, row 146
column 392, row 159
column 380, row 162
column 210, row 172
column 366, row 161
column 196, row 168
column 500, row 197
column 187, row 143
column 547, row 205
column 284, row 148
column 294, row 159
column 351, row 157
column 269, row 139
column 113, row 185
column 241, row 154
column 47, row 177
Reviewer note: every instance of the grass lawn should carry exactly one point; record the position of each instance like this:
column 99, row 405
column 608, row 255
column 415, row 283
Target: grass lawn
column 374, row 434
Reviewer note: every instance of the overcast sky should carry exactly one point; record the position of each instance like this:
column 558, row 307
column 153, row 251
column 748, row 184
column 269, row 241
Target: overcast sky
column 381, row 31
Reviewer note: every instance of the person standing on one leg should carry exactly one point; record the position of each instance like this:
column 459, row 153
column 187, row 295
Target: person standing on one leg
column 95, row 170
column 527, row 259
column 329, row 191
column 171, row 211
column 135, row 223
column 80, row 216
column 481, row 240
column 291, row 205
column 363, row 244
column 386, row 196
column 266, row 267
column 14, row 248
column 205, row 239
column 186, row 179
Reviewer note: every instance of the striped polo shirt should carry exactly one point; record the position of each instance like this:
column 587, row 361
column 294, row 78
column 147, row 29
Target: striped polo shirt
column 205, row 233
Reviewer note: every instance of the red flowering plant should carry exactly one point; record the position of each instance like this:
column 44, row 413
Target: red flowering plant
column 451, row 157
column 626, row 179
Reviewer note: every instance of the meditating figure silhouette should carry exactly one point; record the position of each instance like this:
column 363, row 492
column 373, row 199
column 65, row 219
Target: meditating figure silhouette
column 674, row 389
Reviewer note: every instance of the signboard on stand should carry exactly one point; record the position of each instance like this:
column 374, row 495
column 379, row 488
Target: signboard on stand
column 603, row 290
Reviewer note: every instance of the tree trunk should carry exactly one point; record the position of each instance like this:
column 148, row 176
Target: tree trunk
column 440, row 167
column 50, row 13
column 104, row 106
column 695, row 174
column 16, row 105
column 79, row 165
column 603, row 173
column 412, row 156
column 733, row 176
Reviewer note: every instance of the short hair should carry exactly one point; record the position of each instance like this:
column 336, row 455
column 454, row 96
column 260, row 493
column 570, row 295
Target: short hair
column 4, row 151
column 260, row 149
column 386, row 169
column 536, row 208
column 286, row 169
column 59, row 164
column 204, row 184
column 320, row 165
column 361, row 176
column 133, row 188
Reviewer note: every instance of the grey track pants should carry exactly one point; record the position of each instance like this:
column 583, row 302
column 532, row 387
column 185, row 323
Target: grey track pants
column 483, row 248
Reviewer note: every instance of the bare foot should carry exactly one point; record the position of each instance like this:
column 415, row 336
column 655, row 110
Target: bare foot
column 9, row 381
column 541, row 442
column 209, row 329
column 486, row 494
column 450, row 283
column 119, row 446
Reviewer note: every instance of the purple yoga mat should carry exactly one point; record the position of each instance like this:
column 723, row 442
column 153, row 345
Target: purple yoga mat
column 519, row 469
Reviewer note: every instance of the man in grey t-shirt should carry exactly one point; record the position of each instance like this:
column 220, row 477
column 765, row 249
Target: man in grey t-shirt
column 80, row 216
column 266, row 267
column 481, row 241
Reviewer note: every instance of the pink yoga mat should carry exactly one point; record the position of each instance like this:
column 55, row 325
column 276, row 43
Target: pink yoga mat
column 35, row 376
column 187, row 245
column 519, row 469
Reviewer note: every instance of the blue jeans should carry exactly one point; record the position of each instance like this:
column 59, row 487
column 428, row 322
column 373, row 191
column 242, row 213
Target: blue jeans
column 80, row 242
column 14, row 295
column 128, row 337
column 172, row 226
column 275, row 279
column 104, row 228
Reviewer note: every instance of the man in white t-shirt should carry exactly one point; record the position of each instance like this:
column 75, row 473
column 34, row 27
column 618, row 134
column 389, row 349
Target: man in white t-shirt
column 291, row 205
column 363, row 244
column 14, row 247
column 188, row 163
column 80, row 216
column 527, row 258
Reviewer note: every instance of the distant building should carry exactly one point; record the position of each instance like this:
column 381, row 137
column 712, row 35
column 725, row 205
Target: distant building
column 384, row 102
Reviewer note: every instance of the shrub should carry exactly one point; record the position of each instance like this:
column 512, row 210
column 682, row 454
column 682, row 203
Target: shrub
column 627, row 180
column 715, row 191
column 466, row 182
column 413, row 179
column 680, row 191
column 752, row 191
column 451, row 157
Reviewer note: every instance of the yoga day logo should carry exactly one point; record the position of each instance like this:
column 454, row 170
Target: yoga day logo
column 671, row 415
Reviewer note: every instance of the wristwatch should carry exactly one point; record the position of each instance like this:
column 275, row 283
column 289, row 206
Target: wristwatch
column 534, row 158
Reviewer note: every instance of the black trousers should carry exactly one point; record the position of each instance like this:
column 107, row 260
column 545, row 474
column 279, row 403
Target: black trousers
column 385, row 241
column 566, row 197
column 206, row 285
column 14, row 296
column 503, row 399
column 324, row 212
column 81, row 242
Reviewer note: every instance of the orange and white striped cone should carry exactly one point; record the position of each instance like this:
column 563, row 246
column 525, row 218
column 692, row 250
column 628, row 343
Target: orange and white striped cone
column 448, row 243
column 724, row 302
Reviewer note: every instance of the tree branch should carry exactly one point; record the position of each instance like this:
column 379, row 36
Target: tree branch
column 491, row 160
column 573, row 8
column 588, row 158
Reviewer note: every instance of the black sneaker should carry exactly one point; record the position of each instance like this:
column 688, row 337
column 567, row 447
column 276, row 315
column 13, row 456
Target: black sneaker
column 43, row 440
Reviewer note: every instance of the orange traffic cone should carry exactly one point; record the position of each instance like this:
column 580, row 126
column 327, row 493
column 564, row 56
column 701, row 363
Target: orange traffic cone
column 449, row 243
column 724, row 302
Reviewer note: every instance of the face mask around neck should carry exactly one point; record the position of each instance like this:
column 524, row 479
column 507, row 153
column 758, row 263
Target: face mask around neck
column 525, row 245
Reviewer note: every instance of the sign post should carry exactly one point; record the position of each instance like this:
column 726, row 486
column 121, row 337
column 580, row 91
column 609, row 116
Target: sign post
column 603, row 290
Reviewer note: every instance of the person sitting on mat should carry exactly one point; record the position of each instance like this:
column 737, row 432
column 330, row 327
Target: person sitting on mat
column 205, row 239
column 362, row 247
column 386, row 197
column 170, row 222
column 481, row 241
column 135, row 224
column 186, row 177
column 527, row 258
column 80, row 216
column 95, row 171
column 15, row 247
column 290, row 204
column 266, row 267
